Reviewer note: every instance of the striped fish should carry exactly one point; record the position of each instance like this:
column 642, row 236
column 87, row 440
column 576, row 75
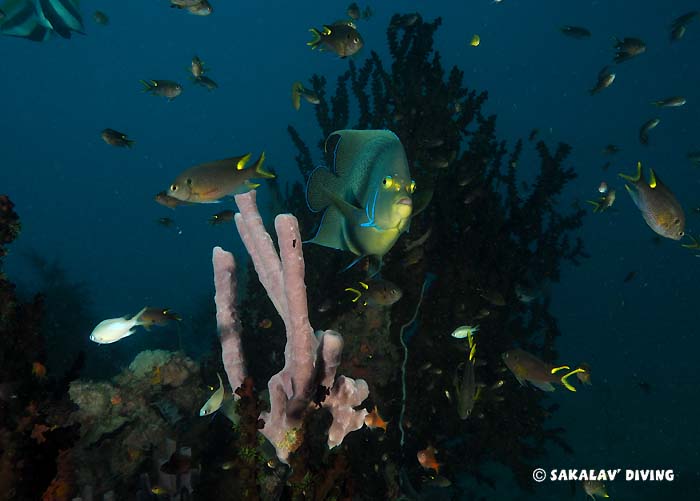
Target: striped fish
column 36, row 19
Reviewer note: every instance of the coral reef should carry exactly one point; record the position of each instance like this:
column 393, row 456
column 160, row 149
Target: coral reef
column 489, row 235
column 125, row 421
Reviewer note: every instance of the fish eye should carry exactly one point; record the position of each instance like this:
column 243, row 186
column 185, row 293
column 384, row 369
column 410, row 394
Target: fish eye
column 173, row 187
column 681, row 233
column 388, row 182
column 412, row 186
column 356, row 40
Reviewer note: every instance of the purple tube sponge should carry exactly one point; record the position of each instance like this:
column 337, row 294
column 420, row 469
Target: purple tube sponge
column 310, row 359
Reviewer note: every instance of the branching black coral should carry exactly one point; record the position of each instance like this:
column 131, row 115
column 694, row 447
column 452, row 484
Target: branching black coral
column 490, row 238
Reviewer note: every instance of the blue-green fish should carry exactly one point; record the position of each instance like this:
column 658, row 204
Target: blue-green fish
column 660, row 208
column 37, row 19
column 367, row 196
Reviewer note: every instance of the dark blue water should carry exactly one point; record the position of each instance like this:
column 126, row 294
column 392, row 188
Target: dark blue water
column 90, row 206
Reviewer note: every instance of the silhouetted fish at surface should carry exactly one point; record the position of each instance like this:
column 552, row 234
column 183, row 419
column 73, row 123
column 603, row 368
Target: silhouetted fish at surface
column 36, row 20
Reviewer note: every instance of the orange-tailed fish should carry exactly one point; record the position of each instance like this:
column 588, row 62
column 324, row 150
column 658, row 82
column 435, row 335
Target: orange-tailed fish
column 157, row 316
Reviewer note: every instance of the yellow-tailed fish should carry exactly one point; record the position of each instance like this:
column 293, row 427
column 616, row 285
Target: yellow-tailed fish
column 367, row 197
column 376, row 292
column 113, row 329
column 475, row 41
column 340, row 37
column 527, row 367
column 212, row 181
column 164, row 88
column 658, row 205
column 214, row 403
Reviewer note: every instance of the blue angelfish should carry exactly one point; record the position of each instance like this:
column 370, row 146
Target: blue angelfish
column 367, row 196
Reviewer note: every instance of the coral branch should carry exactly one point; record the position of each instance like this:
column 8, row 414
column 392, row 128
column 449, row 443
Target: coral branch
column 227, row 321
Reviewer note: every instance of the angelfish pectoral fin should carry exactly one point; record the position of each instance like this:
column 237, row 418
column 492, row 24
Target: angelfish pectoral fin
column 564, row 378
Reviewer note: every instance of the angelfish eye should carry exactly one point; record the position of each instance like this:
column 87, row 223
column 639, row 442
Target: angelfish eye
column 173, row 187
column 388, row 182
column 412, row 186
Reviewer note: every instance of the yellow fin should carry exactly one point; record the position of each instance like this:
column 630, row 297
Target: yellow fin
column 259, row 171
column 358, row 294
column 569, row 374
column 652, row 180
column 557, row 369
column 636, row 178
column 242, row 161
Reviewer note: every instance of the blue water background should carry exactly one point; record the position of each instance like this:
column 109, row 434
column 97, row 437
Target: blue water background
column 90, row 205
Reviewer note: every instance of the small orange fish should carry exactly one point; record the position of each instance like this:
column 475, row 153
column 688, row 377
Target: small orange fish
column 116, row 399
column 157, row 316
column 39, row 370
column 265, row 323
column 374, row 420
column 427, row 460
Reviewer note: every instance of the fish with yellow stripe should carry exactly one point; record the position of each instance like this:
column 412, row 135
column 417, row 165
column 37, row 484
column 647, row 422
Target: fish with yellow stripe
column 658, row 205
column 527, row 367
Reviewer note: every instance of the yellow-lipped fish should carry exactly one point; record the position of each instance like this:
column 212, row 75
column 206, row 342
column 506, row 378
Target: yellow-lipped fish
column 367, row 196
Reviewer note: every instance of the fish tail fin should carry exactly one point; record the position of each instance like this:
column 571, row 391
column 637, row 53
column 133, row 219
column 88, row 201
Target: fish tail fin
column 657, row 103
column 564, row 378
column 129, row 142
column 137, row 317
column 636, row 178
column 259, row 171
column 596, row 205
column 147, row 85
column 316, row 40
